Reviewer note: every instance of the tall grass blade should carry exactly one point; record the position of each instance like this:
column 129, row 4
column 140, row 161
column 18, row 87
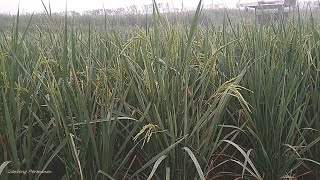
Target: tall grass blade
column 195, row 162
column 3, row 166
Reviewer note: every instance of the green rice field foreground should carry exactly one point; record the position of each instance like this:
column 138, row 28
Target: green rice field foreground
column 167, row 101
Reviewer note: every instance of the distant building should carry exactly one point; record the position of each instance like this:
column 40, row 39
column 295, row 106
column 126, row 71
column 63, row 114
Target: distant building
column 266, row 10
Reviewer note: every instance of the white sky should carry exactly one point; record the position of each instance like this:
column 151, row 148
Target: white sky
column 11, row 6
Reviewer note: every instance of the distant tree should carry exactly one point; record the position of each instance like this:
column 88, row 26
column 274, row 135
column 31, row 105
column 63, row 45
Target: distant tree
column 167, row 8
column 308, row 4
column 146, row 9
column 74, row 13
column 108, row 11
column 95, row 12
column 133, row 9
column 160, row 5
column 120, row 11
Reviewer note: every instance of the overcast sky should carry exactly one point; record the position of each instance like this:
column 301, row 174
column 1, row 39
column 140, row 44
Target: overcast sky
column 11, row 6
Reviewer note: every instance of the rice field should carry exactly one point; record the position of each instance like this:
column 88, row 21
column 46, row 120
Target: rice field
column 175, row 101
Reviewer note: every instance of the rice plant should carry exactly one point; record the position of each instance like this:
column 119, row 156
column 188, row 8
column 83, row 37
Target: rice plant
column 182, row 100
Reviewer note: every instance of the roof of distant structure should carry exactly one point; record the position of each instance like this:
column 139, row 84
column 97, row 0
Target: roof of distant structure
column 267, row 4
